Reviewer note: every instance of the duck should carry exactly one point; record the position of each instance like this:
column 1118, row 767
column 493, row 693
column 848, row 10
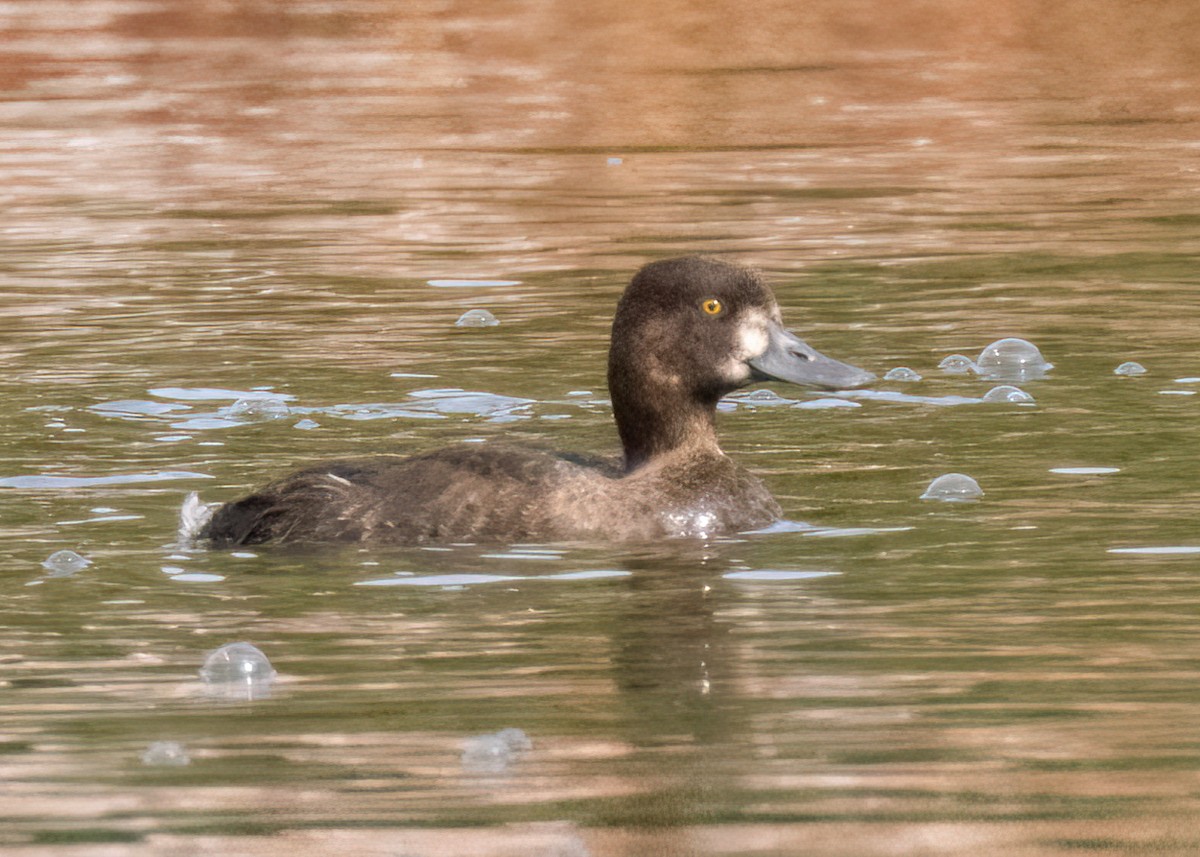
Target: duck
column 686, row 332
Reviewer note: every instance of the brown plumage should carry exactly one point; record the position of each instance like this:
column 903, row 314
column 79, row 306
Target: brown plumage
column 686, row 332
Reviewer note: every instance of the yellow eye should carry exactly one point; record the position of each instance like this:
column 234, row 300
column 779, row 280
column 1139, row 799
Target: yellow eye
column 712, row 306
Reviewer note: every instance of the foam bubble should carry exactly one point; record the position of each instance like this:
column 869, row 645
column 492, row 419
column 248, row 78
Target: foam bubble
column 237, row 671
column 170, row 754
column 957, row 364
column 477, row 318
column 953, row 488
column 258, row 408
column 1012, row 359
column 65, row 562
column 1008, row 393
column 494, row 753
column 902, row 373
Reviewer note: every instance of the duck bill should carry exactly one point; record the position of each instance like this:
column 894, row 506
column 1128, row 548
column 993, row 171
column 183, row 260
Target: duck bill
column 789, row 358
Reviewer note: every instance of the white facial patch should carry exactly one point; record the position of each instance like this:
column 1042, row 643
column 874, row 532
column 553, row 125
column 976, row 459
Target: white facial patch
column 751, row 340
column 753, row 335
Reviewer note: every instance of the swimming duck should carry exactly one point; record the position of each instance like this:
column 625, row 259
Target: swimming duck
column 686, row 332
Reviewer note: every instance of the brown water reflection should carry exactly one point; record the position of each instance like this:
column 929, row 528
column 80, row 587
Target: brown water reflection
column 240, row 194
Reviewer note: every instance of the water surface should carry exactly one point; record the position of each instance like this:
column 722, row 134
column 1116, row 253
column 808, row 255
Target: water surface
column 238, row 237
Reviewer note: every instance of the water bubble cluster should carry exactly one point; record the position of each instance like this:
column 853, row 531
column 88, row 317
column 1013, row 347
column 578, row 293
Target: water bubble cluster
column 166, row 754
column 1012, row 359
column 477, row 318
column 259, row 408
column 1129, row 367
column 493, row 754
column 65, row 562
column 953, row 488
column 902, row 373
column 238, row 671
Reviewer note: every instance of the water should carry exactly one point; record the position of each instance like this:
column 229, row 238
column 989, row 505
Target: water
column 295, row 202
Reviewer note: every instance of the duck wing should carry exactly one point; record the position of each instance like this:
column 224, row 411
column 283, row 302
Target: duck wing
column 468, row 492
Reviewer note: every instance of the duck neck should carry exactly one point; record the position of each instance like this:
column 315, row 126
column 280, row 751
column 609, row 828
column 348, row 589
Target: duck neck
column 657, row 419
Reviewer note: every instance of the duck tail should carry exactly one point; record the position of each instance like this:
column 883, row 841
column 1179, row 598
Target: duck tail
column 194, row 516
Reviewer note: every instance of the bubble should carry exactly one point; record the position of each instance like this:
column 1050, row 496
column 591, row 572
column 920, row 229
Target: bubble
column 1008, row 393
column 1012, row 359
column 259, row 408
column 170, row 754
column 516, row 739
column 1129, row 367
column 238, row 671
column 958, row 364
column 953, row 488
column 902, row 373
column 306, row 424
column 65, row 562
column 477, row 318
column 493, row 754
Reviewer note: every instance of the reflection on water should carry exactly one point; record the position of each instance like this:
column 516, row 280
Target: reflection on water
column 238, row 236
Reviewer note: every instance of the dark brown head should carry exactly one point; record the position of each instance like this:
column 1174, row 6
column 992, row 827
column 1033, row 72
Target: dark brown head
column 686, row 332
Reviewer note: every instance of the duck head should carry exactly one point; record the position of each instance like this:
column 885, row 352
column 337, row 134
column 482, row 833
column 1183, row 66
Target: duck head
column 688, row 331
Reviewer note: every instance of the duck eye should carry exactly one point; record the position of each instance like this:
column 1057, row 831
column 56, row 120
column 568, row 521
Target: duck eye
column 712, row 306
